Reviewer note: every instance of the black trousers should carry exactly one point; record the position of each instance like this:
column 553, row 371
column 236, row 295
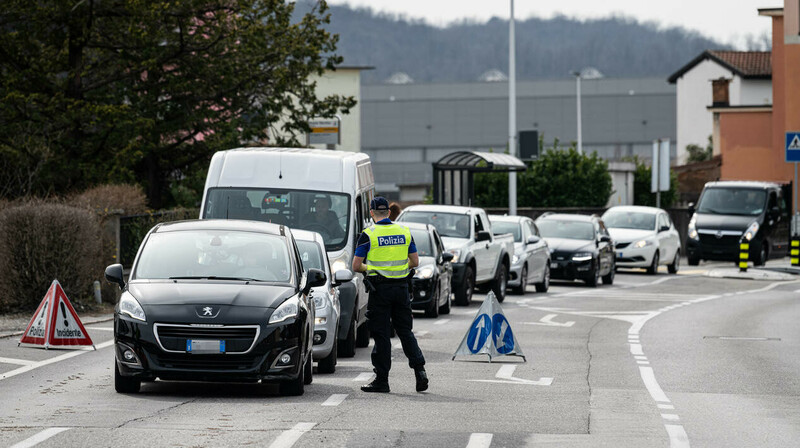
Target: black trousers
column 390, row 304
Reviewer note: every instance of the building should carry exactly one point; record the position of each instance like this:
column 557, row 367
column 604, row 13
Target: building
column 749, row 77
column 407, row 127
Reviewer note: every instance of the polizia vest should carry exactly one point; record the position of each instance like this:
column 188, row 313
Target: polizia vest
column 388, row 250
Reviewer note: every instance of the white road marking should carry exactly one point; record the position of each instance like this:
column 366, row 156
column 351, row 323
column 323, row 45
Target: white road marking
column 441, row 321
column 643, row 358
column 19, row 362
column 665, row 406
column 480, row 440
column 421, row 333
column 399, row 345
column 636, row 349
column 677, row 436
column 39, row 437
column 54, row 359
column 735, row 338
column 364, row 376
column 548, row 321
column 290, row 436
column 335, row 400
column 652, row 385
column 643, row 362
column 506, row 376
column 670, row 417
column 101, row 328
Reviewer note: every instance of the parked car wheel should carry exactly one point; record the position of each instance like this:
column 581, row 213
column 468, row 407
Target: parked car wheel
column 328, row 363
column 433, row 310
column 673, row 267
column 308, row 375
column 445, row 309
column 124, row 384
column 348, row 348
column 293, row 387
column 523, row 281
column 653, row 269
column 464, row 290
column 595, row 278
column 362, row 336
column 608, row 279
column 544, row 285
column 501, row 283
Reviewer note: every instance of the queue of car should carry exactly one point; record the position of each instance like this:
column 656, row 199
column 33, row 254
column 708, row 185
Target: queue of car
column 259, row 288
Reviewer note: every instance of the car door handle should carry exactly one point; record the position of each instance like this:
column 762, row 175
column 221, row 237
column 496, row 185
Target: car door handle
column 487, row 245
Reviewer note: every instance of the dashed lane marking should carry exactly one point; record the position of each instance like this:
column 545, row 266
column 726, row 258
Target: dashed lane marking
column 39, row 437
column 335, row 400
column 480, row 440
column 665, row 406
column 441, row 321
column 670, row 417
column 677, row 436
column 291, row 436
column 652, row 385
column 54, row 359
column 364, row 376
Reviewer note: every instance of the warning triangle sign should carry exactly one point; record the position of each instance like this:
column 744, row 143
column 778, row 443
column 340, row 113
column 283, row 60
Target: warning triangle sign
column 795, row 143
column 490, row 333
column 55, row 323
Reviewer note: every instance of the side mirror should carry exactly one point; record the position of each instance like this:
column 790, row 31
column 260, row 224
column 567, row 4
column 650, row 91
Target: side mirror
column 447, row 257
column 114, row 275
column 690, row 211
column 314, row 278
column 483, row 236
column 605, row 239
column 533, row 239
column 663, row 229
column 342, row 276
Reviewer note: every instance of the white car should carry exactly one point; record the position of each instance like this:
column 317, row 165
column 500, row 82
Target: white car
column 644, row 237
column 311, row 248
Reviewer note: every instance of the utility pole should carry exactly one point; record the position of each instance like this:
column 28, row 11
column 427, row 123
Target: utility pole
column 580, row 127
column 512, row 114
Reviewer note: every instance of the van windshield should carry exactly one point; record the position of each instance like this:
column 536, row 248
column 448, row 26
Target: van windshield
column 733, row 201
column 318, row 211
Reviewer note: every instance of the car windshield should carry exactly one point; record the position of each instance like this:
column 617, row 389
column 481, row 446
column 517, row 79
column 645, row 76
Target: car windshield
column 448, row 224
column 513, row 228
column 733, row 201
column 220, row 254
column 423, row 242
column 323, row 212
column 618, row 219
column 573, row 230
column 310, row 254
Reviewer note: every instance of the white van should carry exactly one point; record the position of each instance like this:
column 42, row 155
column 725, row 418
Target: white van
column 318, row 190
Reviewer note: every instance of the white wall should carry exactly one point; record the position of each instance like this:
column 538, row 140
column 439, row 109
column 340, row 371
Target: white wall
column 754, row 92
column 621, row 183
column 694, row 121
column 346, row 82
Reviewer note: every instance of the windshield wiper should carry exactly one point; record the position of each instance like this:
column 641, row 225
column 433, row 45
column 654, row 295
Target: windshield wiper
column 214, row 277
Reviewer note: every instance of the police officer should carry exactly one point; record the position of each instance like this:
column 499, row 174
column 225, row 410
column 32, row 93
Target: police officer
column 386, row 253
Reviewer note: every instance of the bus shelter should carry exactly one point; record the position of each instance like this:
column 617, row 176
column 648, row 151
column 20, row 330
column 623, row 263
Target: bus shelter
column 453, row 174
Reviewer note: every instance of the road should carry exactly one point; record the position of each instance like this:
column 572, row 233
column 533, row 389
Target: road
column 656, row 361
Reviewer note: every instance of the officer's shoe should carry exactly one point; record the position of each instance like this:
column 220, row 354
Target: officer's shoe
column 422, row 380
column 376, row 386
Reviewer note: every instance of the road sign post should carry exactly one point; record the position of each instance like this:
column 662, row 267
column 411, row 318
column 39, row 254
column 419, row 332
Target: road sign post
column 659, row 172
column 793, row 155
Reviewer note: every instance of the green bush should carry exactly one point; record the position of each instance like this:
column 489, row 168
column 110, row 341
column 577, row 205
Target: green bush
column 558, row 178
column 105, row 199
column 642, row 185
column 40, row 242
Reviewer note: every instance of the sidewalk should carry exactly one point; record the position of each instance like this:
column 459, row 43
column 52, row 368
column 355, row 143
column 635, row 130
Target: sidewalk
column 15, row 324
column 774, row 270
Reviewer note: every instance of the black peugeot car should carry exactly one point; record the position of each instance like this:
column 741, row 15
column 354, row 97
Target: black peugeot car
column 215, row 300
column 580, row 248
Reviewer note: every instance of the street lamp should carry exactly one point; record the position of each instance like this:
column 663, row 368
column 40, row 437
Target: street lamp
column 586, row 73
column 512, row 114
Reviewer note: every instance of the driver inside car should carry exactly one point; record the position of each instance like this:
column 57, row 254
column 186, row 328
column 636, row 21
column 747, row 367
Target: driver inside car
column 323, row 218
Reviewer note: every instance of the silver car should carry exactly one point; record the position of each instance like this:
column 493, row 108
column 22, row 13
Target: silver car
column 531, row 260
column 326, row 298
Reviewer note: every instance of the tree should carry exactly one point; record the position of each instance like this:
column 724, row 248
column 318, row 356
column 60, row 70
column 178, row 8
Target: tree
column 558, row 178
column 130, row 90
column 699, row 154
column 642, row 186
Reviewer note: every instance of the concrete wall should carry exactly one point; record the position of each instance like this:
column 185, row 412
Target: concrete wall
column 747, row 151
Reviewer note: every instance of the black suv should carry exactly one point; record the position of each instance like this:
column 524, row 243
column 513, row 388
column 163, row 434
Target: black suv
column 580, row 248
column 731, row 211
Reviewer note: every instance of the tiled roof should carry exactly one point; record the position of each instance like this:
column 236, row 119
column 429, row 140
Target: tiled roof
column 747, row 64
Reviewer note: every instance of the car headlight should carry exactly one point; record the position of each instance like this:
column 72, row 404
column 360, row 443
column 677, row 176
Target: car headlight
column 642, row 243
column 286, row 310
column 514, row 259
column 319, row 302
column 692, row 229
column 424, row 272
column 751, row 231
column 129, row 306
column 456, row 254
column 337, row 264
column 582, row 256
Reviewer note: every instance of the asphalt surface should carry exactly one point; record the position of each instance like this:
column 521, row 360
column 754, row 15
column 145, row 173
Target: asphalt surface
column 656, row 361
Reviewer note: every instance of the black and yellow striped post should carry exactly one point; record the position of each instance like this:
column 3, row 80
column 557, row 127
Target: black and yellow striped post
column 794, row 251
column 744, row 254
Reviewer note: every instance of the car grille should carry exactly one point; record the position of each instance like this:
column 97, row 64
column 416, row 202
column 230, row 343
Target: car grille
column 561, row 256
column 205, row 362
column 238, row 338
column 727, row 242
column 622, row 245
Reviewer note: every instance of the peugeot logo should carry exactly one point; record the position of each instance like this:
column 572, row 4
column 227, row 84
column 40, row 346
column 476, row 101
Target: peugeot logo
column 206, row 311
column 718, row 234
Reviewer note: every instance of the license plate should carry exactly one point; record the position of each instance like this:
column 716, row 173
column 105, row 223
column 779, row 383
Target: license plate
column 619, row 254
column 553, row 265
column 204, row 346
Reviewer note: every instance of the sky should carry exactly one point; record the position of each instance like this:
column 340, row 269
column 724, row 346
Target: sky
column 727, row 21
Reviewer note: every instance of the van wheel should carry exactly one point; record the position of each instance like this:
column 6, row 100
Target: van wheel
column 124, row 384
column 464, row 290
column 348, row 348
column 362, row 338
column 693, row 261
column 501, row 283
column 328, row 363
column 761, row 259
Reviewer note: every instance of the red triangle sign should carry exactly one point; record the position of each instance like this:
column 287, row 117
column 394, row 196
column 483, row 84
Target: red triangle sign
column 56, row 324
